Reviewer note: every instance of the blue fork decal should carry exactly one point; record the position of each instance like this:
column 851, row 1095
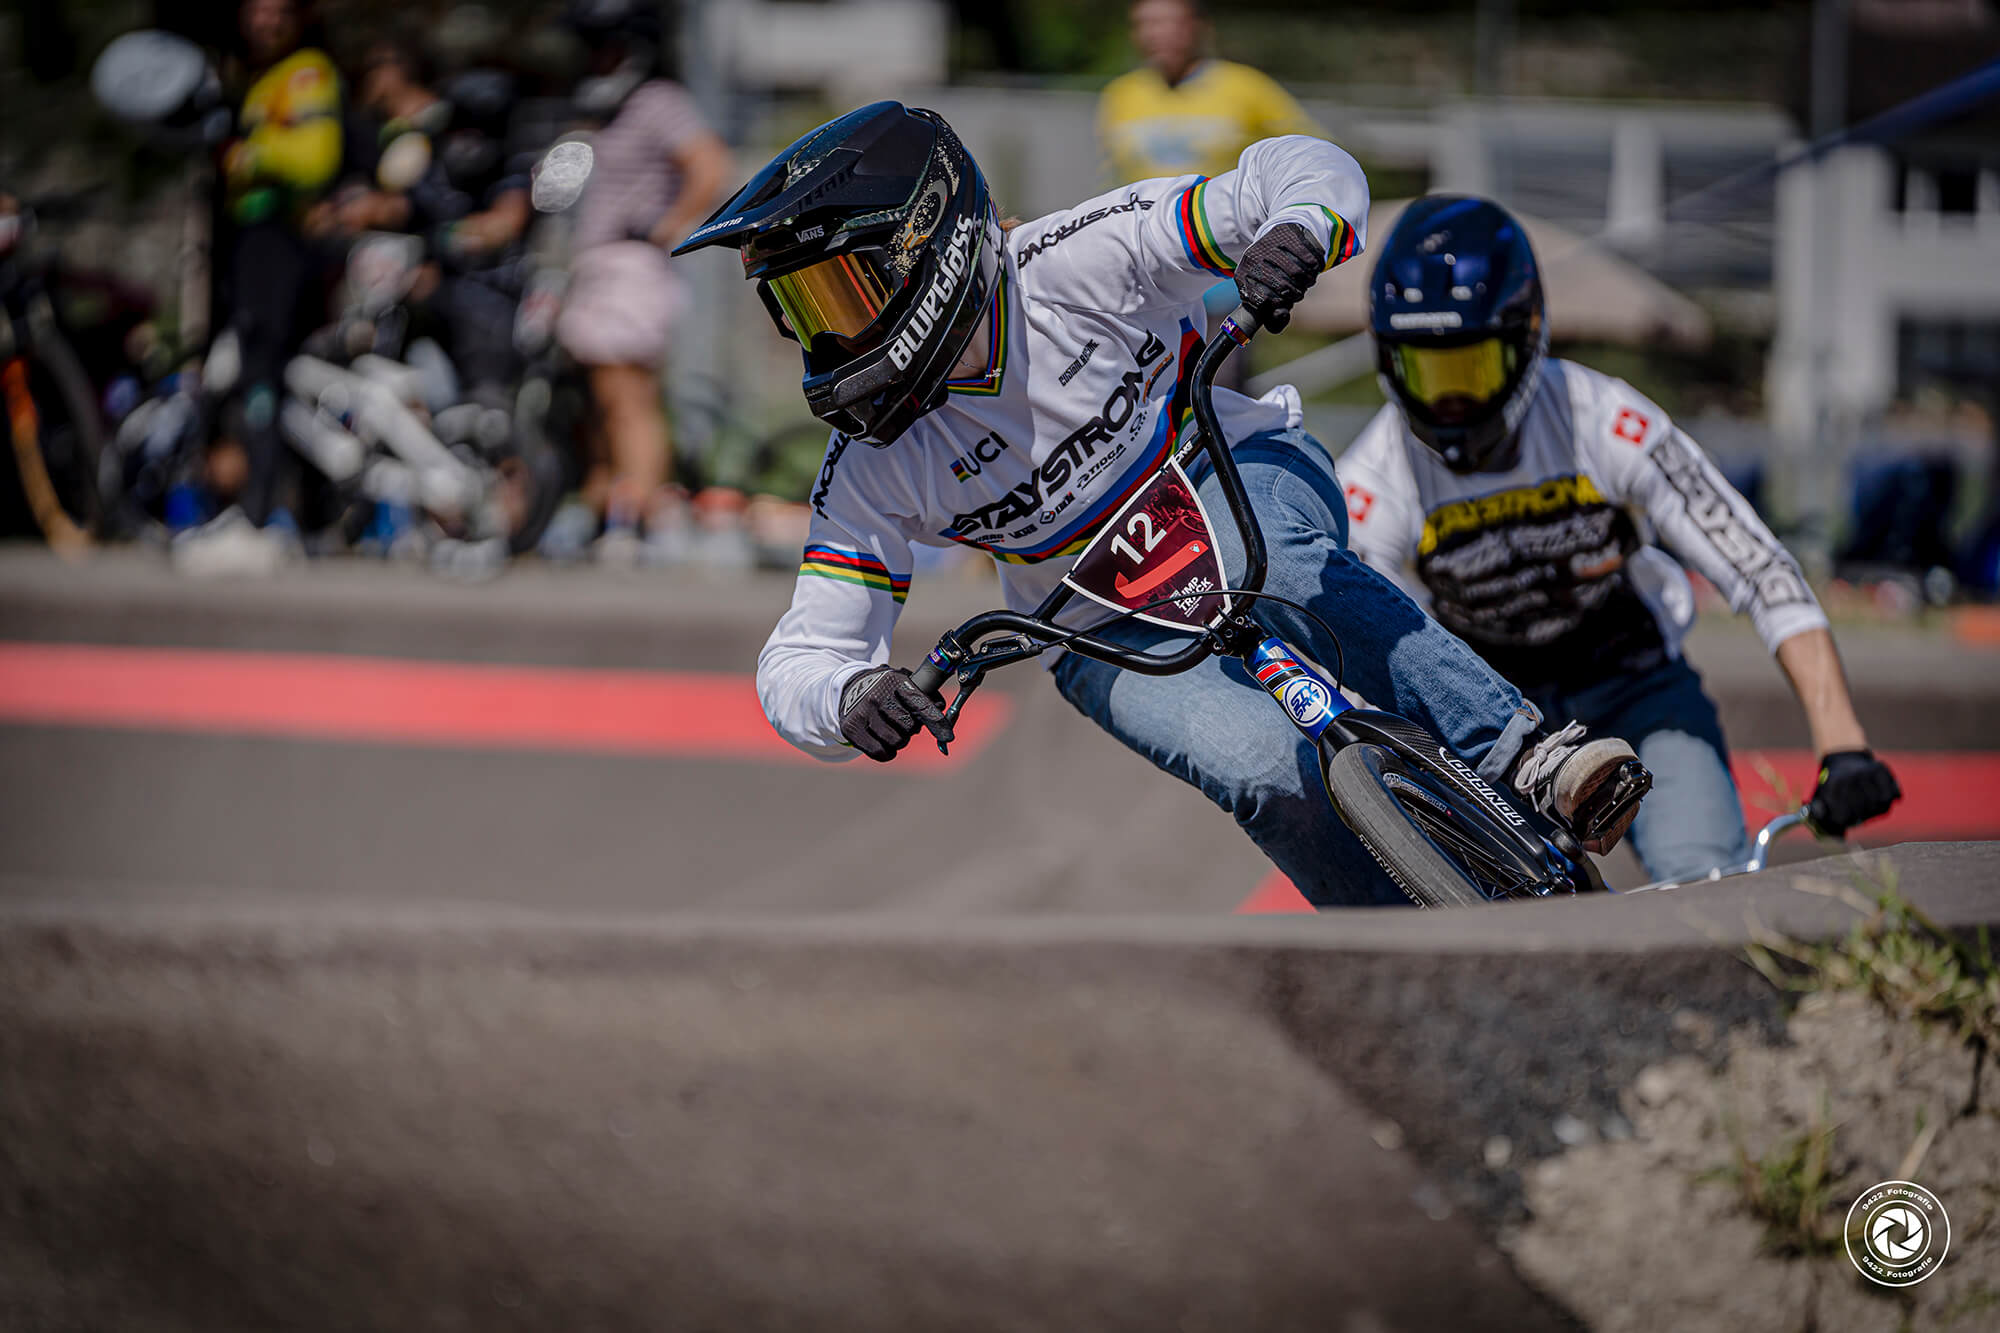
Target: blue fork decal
column 1308, row 698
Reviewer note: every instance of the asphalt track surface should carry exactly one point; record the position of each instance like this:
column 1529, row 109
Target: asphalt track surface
column 598, row 746
column 327, row 1002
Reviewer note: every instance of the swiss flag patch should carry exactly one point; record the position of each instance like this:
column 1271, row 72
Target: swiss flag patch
column 1630, row 426
column 1359, row 502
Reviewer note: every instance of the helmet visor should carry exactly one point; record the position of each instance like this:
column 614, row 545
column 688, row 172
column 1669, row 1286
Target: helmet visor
column 1450, row 381
column 843, row 296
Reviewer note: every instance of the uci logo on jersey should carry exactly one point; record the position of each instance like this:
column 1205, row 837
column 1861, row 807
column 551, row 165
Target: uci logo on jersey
column 1067, row 460
column 973, row 461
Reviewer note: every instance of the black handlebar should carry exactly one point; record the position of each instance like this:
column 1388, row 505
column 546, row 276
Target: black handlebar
column 960, row 645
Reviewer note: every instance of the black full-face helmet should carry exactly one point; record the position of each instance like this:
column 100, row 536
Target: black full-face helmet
column 1460, row 328
column 875, row 246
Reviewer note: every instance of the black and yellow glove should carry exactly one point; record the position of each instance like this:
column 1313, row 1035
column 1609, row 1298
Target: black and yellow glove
column 1854, row 787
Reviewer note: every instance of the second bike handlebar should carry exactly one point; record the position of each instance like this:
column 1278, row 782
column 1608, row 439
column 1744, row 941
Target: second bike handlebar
column 1236, row 331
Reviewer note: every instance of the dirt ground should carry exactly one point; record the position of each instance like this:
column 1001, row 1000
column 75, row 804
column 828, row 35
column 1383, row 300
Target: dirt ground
column 1639, row 1234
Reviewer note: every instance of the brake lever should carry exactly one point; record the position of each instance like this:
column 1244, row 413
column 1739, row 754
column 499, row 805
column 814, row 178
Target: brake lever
column 969, row 677
column 967, row 683
column 971, row 671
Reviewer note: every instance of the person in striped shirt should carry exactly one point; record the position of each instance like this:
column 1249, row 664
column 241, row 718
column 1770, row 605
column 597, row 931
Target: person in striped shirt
column 657, row 168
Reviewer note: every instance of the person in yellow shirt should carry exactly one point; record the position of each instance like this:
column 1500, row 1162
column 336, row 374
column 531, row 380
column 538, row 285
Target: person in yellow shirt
column 290, row 144
column 284, row 157
column 1184, row 113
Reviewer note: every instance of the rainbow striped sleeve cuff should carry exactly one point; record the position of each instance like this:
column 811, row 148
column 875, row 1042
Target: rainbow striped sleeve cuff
column 1340, row 240
column 831, row 562
column 1196, row 236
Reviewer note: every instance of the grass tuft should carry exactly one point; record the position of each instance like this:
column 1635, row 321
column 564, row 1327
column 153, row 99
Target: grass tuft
column 1790, row 1189
column 1902, row 960
column 1915, row 970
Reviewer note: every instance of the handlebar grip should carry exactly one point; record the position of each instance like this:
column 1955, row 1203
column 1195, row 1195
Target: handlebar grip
column 1245, row 322
column 930, row 678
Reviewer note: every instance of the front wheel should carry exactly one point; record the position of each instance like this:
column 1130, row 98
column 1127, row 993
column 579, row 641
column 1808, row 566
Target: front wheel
column 1440, row 846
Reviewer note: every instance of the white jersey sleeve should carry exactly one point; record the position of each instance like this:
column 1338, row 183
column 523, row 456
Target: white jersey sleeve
column 1164, row 242
column 1385, row 515
column 852, row 581
column 1650, row 465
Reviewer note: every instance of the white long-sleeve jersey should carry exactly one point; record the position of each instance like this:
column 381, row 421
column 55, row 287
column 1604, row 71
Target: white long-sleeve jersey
column 1094, row 337
column 1552, row 569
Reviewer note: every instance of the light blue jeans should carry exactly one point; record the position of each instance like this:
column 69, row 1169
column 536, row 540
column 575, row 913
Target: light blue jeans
column 1215, row 728
column 1692, row 820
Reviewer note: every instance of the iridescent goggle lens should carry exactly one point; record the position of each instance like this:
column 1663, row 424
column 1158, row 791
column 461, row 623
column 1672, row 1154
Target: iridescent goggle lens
column 843, row 296
column 1430, row 375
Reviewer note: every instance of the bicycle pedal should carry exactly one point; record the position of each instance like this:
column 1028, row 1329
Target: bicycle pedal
column 1607, row 807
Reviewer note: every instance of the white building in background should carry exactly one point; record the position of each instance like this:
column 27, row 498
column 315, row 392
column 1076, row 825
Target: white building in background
column 1855, row 265
column 1868, row 266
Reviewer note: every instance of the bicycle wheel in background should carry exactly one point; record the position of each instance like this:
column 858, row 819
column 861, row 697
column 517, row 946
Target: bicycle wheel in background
column 531, row 483
column 1441, row 847
column 58, row 442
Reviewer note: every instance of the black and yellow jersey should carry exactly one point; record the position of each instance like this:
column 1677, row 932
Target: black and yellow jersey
column 1557, row 569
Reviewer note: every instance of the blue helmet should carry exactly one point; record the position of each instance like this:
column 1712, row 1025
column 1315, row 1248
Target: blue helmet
column 1455, row 304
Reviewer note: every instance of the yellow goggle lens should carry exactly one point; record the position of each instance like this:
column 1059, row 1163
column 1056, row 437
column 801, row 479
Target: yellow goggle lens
column 1432, row 374
column 842, row 295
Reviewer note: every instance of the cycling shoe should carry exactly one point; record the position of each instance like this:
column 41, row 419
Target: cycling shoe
column 1592, row 788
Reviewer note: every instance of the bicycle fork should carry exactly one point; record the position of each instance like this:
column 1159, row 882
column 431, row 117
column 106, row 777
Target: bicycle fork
column 1324, row 715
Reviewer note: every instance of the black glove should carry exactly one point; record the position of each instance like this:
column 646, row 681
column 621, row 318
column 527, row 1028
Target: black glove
column 881, row 709
column 1276, row 271
column 1854, row 787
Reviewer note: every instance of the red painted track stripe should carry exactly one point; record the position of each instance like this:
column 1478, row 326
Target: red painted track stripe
column 396, row 702
column 1947, row 795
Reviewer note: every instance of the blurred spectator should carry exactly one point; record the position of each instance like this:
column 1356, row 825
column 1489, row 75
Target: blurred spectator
column 659, row 170
column 442, row 171
column 1184, row 112
column 286, row 153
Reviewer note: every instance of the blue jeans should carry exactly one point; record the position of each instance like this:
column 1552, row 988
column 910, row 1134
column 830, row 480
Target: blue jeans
column 1215, row 728
column 1692, row 821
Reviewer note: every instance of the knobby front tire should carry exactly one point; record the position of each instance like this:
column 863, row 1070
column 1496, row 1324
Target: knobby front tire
column 1369, row 785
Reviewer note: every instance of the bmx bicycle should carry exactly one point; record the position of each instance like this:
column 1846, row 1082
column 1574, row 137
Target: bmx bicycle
column 52, row 421
column 1441, row 832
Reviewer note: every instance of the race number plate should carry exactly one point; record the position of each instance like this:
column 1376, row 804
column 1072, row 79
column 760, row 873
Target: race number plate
column 1158, row 545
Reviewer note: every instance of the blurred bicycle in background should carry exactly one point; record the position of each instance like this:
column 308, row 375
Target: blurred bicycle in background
column 52, row 417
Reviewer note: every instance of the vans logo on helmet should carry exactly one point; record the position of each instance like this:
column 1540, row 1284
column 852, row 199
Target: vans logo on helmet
column 951, row 268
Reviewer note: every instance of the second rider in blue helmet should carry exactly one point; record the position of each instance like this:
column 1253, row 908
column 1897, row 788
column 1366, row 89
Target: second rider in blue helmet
column 1528, row 500
column 1005, row 389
